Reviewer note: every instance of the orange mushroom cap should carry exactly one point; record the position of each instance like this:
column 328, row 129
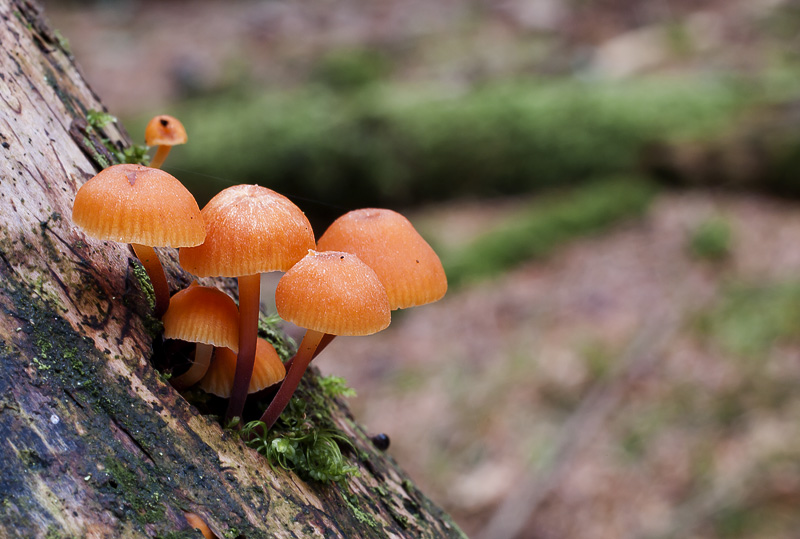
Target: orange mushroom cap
column 267, row 370
column 164, row 130
column 333, row 292
column 138, row 204
column 203, row 314
column 249, row 229
column 388, row 243
column 197, row 522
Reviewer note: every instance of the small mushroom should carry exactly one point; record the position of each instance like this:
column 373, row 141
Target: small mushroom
column 145, row 207
column 388, row 243
column 197, row 522
column 268, row 369
column 165, row 132
column 205, row 316
column 326, row 293
column 249, row 230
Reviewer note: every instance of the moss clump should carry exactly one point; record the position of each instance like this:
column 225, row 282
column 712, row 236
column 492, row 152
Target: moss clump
column 269, row 329
column 712, row 240
column 548, row 223
column 305, row 440
column 336, row 386
column 135, row 154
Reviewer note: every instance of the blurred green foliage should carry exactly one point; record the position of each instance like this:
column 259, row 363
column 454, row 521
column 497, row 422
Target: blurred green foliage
column 547, row 224
column 351, row 69
column 711, row 240
column 750, row 319
column 393, row 146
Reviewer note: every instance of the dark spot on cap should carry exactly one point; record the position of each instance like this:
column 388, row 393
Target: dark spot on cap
column 6, row 145
column 164, row 122
column 341, row 257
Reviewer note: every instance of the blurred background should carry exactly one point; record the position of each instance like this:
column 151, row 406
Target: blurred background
column 612, row 188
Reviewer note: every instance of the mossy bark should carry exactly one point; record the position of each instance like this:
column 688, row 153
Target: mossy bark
column 93, row 443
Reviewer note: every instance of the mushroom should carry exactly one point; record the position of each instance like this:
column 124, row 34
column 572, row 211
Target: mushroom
column 165, row 132
column 249, row 230
column 268, row 369
column 205, row 316
column 388, row 243
column 197, row 522
column 326, row 293
column 145, row 207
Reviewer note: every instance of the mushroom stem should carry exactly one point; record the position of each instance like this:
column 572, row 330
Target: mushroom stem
column 160, row 156
column 152, row 265
column 202, row 359
column 249, row 307
column 326, row 340
column 299, row 365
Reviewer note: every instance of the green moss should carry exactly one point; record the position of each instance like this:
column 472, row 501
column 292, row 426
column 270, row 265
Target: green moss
column 62, row 42
column 335, row 386
column 99, row 158
column 305, row 439
column 70, row 364
column 548, row 223
column 750, row 319
column 395, row 146
column 352, row 503
column 269, row 329
column 143, row 494
column 711, row 240
column 98, row 119
column 40, row 365
column 145, row 284
column 183, row 534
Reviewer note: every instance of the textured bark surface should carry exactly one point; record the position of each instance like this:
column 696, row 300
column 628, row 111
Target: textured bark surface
column 92, row 442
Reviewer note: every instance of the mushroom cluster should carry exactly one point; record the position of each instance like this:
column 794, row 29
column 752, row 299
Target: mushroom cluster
column 368, row 263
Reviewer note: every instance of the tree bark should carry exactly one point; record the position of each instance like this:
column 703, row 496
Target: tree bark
column 93, row 443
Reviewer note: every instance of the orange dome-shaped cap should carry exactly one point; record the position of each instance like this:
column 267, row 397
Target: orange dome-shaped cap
column 203, row 314
column 164, row 130
column 267, row 370
column 249, row 229
column 335, row 293
column 388, row 243
column 137, row 204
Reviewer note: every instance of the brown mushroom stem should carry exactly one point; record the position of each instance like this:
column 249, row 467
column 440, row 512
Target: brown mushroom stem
column 160, row 156
column 202, row 359
column 249, row 307
column 326, row 340
column 301, row 360
column 152, row 265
